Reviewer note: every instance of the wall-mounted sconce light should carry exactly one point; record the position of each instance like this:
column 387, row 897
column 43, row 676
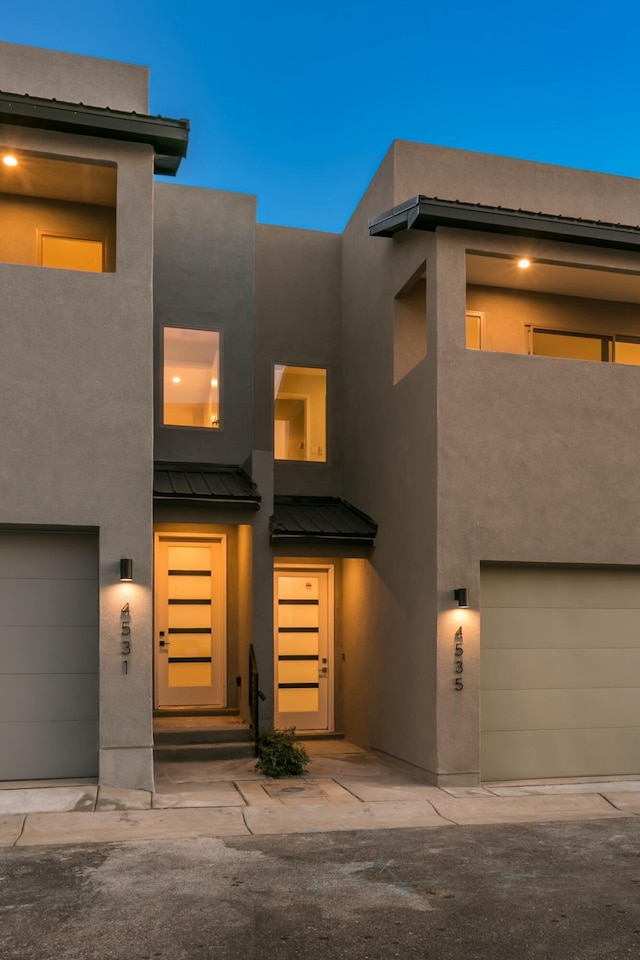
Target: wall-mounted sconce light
column 460, row 596
column 126, row 569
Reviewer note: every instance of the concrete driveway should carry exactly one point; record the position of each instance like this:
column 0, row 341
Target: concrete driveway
column 347, row 789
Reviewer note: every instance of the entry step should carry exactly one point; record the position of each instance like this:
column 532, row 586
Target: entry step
column 210, row 737
column 176, row 752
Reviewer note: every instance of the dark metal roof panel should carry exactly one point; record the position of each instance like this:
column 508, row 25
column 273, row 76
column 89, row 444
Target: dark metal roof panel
column 197, row 482
column 320, row 520
column 169, row 138
column 429, row 213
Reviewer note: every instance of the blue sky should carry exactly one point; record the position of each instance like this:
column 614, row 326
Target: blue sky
column 298, row 102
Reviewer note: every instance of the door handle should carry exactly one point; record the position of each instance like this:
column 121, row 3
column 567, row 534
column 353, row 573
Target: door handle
column 164, row 643
column 322, row 672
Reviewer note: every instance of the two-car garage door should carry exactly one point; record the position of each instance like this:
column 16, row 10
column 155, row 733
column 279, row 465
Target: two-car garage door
column 48, row 655
column 560, row 672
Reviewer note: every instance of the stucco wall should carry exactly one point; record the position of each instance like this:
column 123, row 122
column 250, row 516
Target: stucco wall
column 508, row 458
column 536, row 462
column 516, row 184
column 76, row 430
column 204, row 277
column 389, row 471
column 298, row 323
column 65, row 76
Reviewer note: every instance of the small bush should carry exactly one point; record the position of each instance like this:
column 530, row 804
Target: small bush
column 280, row 755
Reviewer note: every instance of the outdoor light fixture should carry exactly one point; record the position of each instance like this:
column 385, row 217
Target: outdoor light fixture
column 524, row 263
column 9, row 161
column 460, row 596
column 126, row 569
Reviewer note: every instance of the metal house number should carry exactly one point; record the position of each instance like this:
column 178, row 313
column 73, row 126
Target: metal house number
column 458, row 655
column 125, row 643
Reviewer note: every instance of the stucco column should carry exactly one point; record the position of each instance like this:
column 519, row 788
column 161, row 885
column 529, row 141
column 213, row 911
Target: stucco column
column 457, row 709
column 262, row 619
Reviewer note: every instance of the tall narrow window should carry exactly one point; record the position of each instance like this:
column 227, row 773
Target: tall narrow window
column 191, row 378
column 300, row 427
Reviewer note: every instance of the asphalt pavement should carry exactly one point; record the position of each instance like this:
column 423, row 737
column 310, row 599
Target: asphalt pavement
column 493, row 892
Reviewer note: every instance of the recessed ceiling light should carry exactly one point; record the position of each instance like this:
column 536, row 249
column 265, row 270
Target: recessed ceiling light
column 524, row 263
column 9, row 161
column 176, row 379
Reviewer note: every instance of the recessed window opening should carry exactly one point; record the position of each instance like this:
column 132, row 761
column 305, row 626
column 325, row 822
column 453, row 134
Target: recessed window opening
column 57, row 212
column 191, row 378
column 300, row 413
column 576, row 311
column 410, row 325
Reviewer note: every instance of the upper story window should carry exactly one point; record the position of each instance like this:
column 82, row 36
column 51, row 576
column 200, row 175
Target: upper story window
column 57, row 213
column 581, row 346
column 191, row 378
column 300, row 413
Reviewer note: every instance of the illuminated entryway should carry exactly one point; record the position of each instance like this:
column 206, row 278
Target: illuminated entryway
column 303, row 643
column 190, row 621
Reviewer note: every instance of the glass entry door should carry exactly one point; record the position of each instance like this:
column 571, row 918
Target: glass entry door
column 190, row 621
column 303, row 648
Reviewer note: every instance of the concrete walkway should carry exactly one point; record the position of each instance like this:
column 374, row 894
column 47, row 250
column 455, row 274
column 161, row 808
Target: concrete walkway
column 346, row 789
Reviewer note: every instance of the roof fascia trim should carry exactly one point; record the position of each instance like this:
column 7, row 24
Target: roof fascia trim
column 169, row 138
column 424, row 213
column 241, row 503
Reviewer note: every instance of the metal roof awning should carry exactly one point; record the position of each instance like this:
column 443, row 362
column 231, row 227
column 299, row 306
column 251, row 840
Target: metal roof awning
column 169, row 138
column 202, row 483
column 429, row 213
column 326, row 520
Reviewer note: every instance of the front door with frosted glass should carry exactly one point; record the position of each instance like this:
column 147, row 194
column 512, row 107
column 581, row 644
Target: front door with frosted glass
column 302, row 648
column 190, row 622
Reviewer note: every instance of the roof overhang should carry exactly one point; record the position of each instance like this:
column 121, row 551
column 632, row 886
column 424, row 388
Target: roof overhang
column 320, row 520
column 202, row 484
column 169, row 138
column 429, row 213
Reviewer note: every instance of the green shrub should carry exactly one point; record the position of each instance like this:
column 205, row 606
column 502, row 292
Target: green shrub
column 279, row 755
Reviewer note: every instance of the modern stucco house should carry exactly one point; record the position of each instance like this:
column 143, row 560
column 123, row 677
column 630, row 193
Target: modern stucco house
column 215, row 409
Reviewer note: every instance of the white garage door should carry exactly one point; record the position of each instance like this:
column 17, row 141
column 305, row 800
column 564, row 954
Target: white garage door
column 48, row 655
column 560, row 672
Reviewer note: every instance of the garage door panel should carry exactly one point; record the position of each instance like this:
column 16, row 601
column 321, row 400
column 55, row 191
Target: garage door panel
column 560, row 672
column 34, row 751
column 553, row 669
column 569, row 587
column 49, row 612
column 45, row 602
column 529, row 755
column 41, row 697
column 47, row 650
column 509, row 628
column 48, row 556
column 508, row 710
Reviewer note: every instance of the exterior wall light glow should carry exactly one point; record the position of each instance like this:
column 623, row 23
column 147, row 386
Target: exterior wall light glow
column 9, row 161
column 524, row 263
column 126, row 569
column 460, row 596
column 176, row 379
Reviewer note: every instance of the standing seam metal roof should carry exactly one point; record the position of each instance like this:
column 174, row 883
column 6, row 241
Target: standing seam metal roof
column 320, row 519
column 198, row 482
